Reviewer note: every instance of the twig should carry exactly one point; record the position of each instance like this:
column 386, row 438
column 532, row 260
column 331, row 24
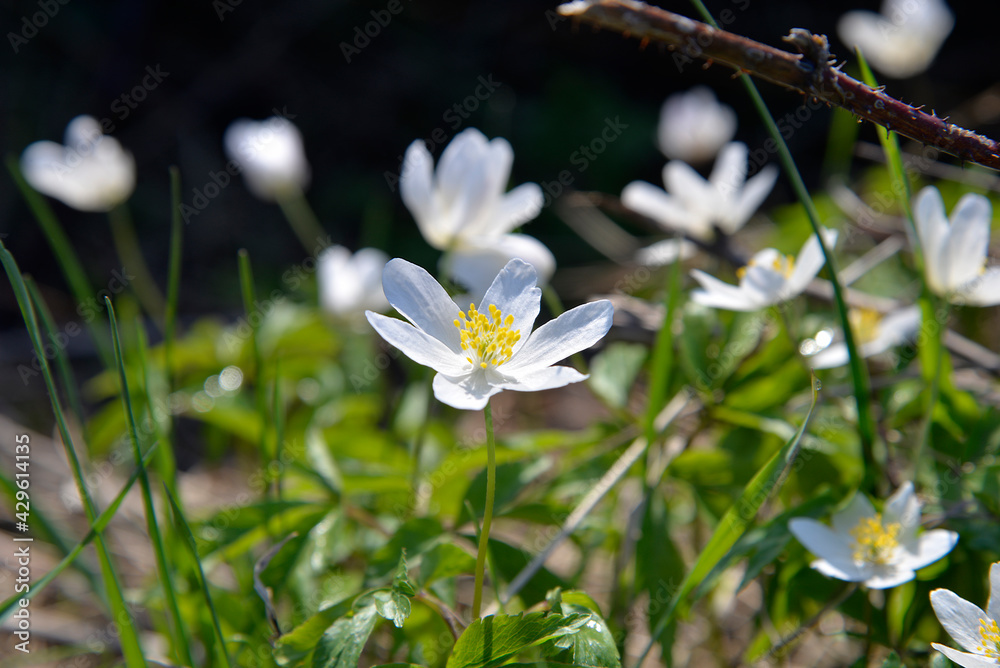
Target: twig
column 811, row 71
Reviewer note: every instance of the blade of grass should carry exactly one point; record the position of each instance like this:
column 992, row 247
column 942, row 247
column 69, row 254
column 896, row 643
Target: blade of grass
column 166, row 462
column 260, row 396
column 70, row 559
column 62, row 364
column 859, row 373
column 65, row 256
column 122, row 616
column 663, row 353
column 180, row 640
column 202, row 580
column 735, row 522
column 173, row 281
column 127, row 246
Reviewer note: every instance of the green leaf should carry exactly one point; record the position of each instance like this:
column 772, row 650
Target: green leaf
column 493, row 640
column 342, row 644
column 593, row 644
column 300, row 641
column 392, row 605
column 613, row 371
column 892, row 661
column 444, row 561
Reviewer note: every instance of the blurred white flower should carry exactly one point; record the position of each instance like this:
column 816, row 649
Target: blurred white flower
column 350, row 284
column 955, row 251
column 902, row 41
column 695, row 206
column 768, row 278
column 478, row 353
column 270, row 155
column 92, row 172
column 478, row 262
column 666, row 252
column 881, row 550
column 973, row 629
column 874, row 333
column 694, row 125
column 464, row 200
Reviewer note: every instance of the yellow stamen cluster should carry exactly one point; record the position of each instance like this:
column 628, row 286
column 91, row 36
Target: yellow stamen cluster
column 873, row 541
column 864, row 323
column 990, row 634
column 783, row 264
column 488, row 339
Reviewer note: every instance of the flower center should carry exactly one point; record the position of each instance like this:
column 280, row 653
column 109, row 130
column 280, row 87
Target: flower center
column 488, row 339
column 990, row 634
column 781, row 264
column 864, row 323
column 875, row 542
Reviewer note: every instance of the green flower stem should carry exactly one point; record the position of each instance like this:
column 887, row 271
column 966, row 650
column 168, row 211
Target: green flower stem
column 484, row 536
column 929, row 307
column 303, row 221
column 127, row 247
column 859, row 373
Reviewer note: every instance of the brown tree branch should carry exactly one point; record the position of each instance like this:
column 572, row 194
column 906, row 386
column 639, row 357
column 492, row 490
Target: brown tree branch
column 811, row 71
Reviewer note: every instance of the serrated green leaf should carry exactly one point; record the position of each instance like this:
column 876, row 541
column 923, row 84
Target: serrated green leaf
column 392, row 605
column 401, row 580
column 494, row 640
column 342, row 644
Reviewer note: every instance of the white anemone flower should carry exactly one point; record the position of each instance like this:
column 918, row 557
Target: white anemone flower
column 480, row 352
column 880, row 550
column 874, row 334
column 694, row 125
column 903, row 40
column 666, row 252
column 270, row 155
column 973, row 629
column 477, row 263
column 351, row 283
column 769, row 278
column 695, row 206
column 955, row 251
column 465, row 199
column 92, row 172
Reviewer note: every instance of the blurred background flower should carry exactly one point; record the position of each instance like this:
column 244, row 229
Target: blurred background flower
column 351, row 283
column 270, row 154
column 91, row 172
column 903, row 40
column 694, row 126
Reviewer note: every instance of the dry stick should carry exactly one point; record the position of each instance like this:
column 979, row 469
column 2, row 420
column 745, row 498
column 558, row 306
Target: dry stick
column 812, row 71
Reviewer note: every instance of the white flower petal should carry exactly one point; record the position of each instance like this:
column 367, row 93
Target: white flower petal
column 848, row 519
column 730, row 170
column 417, row 345
column 477, row 263
column 719, row 294
column 958, row 617
column 833, row 356
column 967, row 242
column 656, row 204
column 834, row 552
column 763, row 285
column 666, row 252
column 928, row 548
column 517, row 207
column 270, row 154
column 544, row 379
column 698, row 197
column 694, row 126
column 515, row 294
column 808, row 263
column 416, row 187
column 965, row 659
column 756, row 190
column 889, row 575
column 421, row 300
column 984, row 290
column 469, row 392
column 903, row 507
column 932, row 229
column 573, row 331
column 993, row 606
